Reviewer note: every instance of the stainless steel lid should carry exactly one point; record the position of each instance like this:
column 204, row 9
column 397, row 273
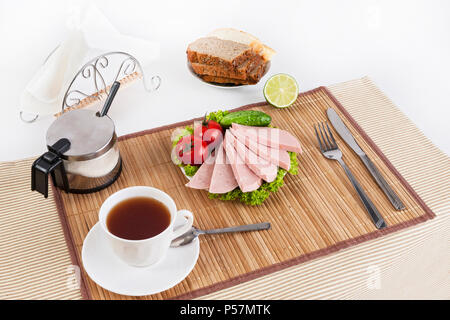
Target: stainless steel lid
column 90, row 135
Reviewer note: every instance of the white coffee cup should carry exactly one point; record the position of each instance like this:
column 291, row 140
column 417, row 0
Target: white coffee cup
column 141, row 253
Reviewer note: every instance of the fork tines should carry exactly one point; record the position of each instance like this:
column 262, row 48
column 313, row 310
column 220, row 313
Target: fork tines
column 325, row 144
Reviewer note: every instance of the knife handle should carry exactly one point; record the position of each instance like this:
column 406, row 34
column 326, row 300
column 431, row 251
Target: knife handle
column 368, row 204
column 392, row 196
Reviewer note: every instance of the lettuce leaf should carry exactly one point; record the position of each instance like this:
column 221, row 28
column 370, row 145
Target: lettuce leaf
column 180, row 133
column 294, row 163
column 217, row 116
column 189, row 170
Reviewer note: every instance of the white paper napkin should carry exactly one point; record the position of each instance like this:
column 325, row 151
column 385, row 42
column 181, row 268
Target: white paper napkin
column 90, row 33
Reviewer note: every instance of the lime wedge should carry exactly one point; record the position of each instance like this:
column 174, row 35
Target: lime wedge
column 281, row 90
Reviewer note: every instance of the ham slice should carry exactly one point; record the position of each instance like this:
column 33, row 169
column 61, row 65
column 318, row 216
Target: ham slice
column 272, row 137
column 222, row 180
column 202, row 178
column 261, row 167
column 247, row 180
column 278, row 157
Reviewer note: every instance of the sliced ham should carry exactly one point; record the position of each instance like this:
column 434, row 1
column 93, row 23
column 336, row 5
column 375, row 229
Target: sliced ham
column 202, row 178
column 247, row 180
column 261, row 167
column 272, row 137
column 276, row 156
column 222, row 180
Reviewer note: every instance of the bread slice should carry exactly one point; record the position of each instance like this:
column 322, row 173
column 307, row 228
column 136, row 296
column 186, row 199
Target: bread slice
column 214, row 51
column 252, row 78
column 244, row 38
column 226, row 80
column 241, row 72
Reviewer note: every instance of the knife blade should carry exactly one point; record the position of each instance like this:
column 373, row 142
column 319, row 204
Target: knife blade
column 345, row 134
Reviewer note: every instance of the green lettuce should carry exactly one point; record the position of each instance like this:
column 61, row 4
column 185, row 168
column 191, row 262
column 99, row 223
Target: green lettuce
column 294, row 163
column 189, row 170
column 180, row 133
column 217, row 116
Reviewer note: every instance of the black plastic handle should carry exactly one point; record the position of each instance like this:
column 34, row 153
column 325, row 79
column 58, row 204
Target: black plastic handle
column 50, row 162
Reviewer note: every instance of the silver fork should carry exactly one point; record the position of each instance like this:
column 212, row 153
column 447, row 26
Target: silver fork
column 330, row 150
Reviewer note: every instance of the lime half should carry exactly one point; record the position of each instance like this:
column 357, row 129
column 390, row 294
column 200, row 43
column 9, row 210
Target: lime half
column 281, row 90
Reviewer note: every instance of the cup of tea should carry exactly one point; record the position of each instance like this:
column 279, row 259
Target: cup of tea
column 138, row 223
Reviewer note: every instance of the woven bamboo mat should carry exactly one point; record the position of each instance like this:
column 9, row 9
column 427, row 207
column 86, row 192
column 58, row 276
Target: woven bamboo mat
column 315, row 213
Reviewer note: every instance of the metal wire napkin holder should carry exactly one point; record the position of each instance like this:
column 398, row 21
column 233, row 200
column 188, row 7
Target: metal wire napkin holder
column 94, row 73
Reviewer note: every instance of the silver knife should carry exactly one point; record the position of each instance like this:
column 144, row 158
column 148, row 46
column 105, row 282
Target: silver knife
column 345, row 134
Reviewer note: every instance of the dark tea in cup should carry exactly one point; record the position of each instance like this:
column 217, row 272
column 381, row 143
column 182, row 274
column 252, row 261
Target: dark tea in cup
column 138, row 218
column 138, row 223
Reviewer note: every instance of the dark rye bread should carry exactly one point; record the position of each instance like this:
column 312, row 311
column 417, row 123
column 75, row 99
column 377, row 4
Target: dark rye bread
column 252, row 78
column 241, row 72
column 227, row 80
column 217, row 52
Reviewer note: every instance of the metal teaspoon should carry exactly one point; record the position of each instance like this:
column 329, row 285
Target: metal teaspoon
column 193, row 233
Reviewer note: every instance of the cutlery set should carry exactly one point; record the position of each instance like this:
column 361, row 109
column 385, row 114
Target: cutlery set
column 330, row 150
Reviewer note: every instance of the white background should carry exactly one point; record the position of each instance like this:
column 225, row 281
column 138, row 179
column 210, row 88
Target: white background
column 404, row 46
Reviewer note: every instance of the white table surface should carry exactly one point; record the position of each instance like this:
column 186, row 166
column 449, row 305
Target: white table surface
column 403, row 46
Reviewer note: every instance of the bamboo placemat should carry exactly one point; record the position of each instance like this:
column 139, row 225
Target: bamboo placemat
column 317, row 212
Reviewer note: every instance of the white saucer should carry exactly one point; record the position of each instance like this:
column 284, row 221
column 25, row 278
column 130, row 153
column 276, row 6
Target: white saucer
column 105, row 269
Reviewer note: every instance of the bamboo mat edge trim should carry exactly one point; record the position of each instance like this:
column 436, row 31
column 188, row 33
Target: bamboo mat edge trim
column 429, row 214
column 85, row 293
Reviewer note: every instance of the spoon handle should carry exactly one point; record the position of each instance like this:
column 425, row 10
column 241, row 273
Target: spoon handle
column 109, row 99
column 248, row 227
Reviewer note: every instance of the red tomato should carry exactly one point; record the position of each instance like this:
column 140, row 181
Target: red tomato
column 192, row 150
column 210, row 131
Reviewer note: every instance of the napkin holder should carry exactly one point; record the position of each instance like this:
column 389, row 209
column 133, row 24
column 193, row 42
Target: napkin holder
column 93, row 81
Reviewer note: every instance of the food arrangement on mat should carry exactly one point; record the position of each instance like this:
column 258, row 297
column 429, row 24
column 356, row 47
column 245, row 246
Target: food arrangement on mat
column 236, row 155
column 229, row 56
